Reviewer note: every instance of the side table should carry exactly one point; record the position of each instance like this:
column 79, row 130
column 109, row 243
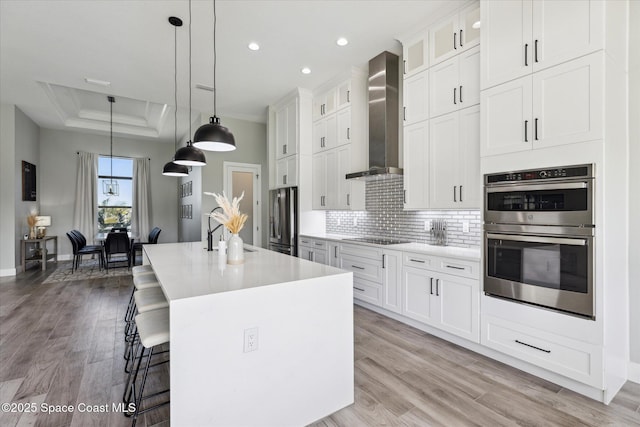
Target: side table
column 40, row 252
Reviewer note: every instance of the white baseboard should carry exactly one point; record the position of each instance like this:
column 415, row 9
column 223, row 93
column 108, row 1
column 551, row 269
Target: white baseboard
column 5, row 272
column 633, row 373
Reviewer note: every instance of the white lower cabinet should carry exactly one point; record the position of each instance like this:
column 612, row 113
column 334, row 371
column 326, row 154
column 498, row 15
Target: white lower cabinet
column 313, row 250
column 392, row 280
column 445, row 301
column 366, row 264
column 579, row 360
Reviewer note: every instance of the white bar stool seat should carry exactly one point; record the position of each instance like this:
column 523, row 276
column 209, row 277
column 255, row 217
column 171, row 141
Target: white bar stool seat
column 141, row 269
column 150, row 299
column 145, row 281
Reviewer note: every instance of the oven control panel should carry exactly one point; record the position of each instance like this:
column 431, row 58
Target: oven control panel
column 583, row 171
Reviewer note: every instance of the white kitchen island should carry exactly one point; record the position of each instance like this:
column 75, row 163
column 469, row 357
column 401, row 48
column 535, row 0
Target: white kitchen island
column 298, row 314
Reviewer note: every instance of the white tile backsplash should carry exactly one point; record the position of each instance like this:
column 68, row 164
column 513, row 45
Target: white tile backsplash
column 385, row 217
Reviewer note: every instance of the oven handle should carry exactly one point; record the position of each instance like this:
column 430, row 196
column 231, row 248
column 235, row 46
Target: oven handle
column 538, row 187
column 539, row 239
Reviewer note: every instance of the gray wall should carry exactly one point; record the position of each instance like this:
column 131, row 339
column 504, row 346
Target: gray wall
column 27, row 146
column 251, row 143
column 634, row 181
column 190, row 227
column 57, row 171
column 7, row 191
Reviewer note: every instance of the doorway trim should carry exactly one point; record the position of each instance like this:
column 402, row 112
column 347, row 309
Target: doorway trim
column 256, row 170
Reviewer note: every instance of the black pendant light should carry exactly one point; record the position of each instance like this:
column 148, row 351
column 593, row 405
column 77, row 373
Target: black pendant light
column 213, row 136
column 190, row 155
column 110, row 188
column 173, row 169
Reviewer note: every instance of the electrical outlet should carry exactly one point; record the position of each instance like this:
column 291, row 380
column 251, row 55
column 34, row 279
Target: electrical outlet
column 427, row 226
column 465, row 226
column 250, row 339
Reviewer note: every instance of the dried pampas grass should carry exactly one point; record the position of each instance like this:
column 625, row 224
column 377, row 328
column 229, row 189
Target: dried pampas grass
column 230, row 217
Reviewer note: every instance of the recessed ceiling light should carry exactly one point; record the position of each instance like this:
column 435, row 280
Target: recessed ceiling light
column 476, row 25
column 306, row 70
column 254, row 46
column 342, row 41
column 97, row 82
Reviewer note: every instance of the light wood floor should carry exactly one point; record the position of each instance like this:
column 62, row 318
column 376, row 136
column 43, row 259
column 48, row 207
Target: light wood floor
column 61, row 343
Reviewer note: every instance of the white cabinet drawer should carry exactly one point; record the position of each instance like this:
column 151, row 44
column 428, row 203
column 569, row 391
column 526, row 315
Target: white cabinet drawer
column 363, row 268
column 457, row 267
column 368, row 291
column 361, row 251
column 578, row 360
column 418, row 261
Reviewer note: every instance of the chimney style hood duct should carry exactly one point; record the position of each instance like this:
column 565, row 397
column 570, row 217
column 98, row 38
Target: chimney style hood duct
column 383, row 88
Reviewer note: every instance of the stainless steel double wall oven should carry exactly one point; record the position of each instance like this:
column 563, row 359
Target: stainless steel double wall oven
column 539, row 237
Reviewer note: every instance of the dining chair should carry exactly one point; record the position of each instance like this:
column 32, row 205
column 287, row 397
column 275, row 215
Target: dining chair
column 117, row 243
column 80, row 248
column 152, row 240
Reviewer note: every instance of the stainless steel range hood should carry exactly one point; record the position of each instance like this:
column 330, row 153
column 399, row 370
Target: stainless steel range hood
column 383, row 88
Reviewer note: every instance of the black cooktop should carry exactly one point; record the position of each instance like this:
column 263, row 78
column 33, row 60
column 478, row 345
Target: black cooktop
column 377, row 240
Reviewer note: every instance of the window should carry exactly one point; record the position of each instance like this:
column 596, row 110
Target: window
column 115, row 210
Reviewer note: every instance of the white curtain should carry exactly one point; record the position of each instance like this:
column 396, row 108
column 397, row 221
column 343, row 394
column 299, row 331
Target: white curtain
column 85, row 208
column 141, row 199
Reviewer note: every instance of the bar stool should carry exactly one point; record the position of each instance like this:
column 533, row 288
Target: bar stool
column 141, row 269
column 142, row 281
column 153, row 331
column 144, row 300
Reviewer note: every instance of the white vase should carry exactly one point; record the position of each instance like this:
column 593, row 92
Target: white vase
column 235, row 250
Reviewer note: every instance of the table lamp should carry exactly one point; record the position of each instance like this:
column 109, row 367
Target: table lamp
column 42, row 222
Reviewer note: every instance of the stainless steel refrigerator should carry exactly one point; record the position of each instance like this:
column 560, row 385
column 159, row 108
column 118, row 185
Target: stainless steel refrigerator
column 283, row 220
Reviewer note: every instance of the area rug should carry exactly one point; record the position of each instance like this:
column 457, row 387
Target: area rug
column 88, row 270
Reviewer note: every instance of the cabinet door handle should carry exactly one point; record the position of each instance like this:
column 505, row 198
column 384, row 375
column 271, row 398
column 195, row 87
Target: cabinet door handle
column 454, row 95
column 358, row 289
column 358, row 267
column 460, row 96
column 535, row 51
column 348, row 96
column 284, row 179
column 455, row 267
column 535, row 129
column 404, row 114
column 454, row 193
column 335, row 251
column 437, row 287
column 348, row 133
column 310, row 255
column 404, row 66
column 431, row 286
column 348, row 201
column 421, row 261
column 284, row 148
column 460, row 41
column 383, row 261
column 532, row 346
column 526, row 125
column 318, row 244
column 460, row 193
column 526, row 54
column 454, row 40
column 404, row 196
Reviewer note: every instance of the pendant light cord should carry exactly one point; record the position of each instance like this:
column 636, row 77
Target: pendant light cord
column 111, row 137
column 189, row 69
column 175, row 87
column 215, row 61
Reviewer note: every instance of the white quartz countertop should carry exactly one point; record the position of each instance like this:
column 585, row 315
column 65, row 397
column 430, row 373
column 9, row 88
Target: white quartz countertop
column 471, row 254
column 187, row 270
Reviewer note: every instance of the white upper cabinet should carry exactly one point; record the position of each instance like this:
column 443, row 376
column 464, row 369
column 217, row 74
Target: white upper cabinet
column 415, row 54
column 523, row 36
column 455, row 83
column 339, row 143
column 416, row 98
column 287, row 172
column 454, row 160
column 454, row 34
column 287, row 129
column 416, row 173
column 559, row 105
